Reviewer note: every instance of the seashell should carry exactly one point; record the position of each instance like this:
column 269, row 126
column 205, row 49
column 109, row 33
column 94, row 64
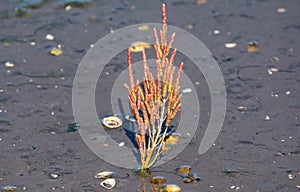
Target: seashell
column 112, row 122
column 9, row 64
column 191, row 178
column 8, row 188
column 108, row 183
column 53, row 175
column 230, row 45
column 252, row 46
column 184, row 170
column 158, row 180
column 56, row 51
column 105, row 175
column 188, row 179
column 139, row 46
column 170, row 188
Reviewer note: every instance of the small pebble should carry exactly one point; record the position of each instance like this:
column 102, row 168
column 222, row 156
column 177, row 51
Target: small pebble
column 121, row 144
column 216, row 32
column 281, row 10
column 189, row 27
column 230, row 45
column 49, row 37
column 267, row 117
column 232, row 187
column 288, row 92
column 32, row 43
column 68, row 7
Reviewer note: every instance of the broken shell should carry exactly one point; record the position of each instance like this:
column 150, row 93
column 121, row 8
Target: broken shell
column 184, row 170
column 273, row 69
column 112, row 122
column 188, row 179
column 158, row 180
column 191, row 178
column 108, row 183
column 170, row 188
column 230, row 45
column 105, row 175
column 8, row 188
column 172, row 138
column 252, row 46
column 9, row 64
column 53, row 175
column 139, row 46
column 56, row 51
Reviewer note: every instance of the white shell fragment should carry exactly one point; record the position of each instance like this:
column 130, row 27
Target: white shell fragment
column 108, row 183
column 187, row 90
column 121, row 144
column 53, row 175
column 105, row 175
column 112, row 122
column 9, row 64
column 230, row 45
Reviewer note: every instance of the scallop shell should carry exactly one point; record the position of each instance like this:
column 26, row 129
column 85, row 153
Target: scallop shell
column 112, row 122
column 170, row 188
column 105, row 175
column 108, row 183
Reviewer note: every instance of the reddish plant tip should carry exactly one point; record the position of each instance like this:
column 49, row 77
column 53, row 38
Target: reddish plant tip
column 164, row 15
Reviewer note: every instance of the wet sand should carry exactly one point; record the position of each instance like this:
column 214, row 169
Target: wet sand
column 36, row 94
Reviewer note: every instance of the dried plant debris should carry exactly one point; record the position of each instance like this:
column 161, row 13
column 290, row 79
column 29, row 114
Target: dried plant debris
column 72, row 127
column 139, row 46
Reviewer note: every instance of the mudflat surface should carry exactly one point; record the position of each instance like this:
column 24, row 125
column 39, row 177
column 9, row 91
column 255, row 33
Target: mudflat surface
column 260, row 136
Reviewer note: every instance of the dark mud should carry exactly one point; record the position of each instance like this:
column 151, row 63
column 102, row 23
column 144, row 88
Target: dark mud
column 252, row 152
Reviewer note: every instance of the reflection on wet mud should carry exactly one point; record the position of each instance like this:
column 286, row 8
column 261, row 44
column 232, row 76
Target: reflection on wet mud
column 24, row 7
